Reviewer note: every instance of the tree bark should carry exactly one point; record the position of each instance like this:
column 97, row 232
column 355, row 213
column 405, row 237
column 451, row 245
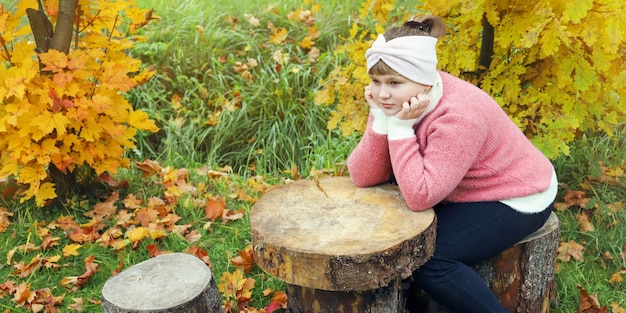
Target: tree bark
column 486, row 48
column 62, row 38
column 522, row 277
column 340, row 248
column 308, row 300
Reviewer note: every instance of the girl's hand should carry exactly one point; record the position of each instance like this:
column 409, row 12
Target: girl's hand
column 370, row 98
column 414, row 107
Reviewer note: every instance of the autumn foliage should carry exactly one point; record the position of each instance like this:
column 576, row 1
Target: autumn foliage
column 62, row 110
column 556, row 67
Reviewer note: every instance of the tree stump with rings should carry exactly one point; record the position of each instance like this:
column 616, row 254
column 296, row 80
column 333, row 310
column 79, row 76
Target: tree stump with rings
column 168, row 283
column 338, row 247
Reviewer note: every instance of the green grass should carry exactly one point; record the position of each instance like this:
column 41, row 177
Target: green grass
column 196, row 49
column 275, row 126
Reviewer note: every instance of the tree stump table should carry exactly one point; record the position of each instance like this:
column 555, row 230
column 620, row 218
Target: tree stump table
column 172, row 283
column 522, row 277
column 340, row 248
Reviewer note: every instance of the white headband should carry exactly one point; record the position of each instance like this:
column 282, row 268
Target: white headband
column 413, row 57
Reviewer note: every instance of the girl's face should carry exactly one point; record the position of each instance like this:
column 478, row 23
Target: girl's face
column 391, row 91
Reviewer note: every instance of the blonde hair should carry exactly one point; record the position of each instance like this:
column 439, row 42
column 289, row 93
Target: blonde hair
column 429, row 25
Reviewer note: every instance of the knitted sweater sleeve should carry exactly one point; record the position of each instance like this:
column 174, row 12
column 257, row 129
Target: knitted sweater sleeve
column 428, row 174
column 369, row 162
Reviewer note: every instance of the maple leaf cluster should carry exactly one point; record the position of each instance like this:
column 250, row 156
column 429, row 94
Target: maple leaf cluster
column 68, row 109
column 346, row 83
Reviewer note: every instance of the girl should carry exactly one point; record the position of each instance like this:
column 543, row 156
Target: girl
column 450, row 147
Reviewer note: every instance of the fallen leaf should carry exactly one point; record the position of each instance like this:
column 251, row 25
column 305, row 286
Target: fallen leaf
column 568, row 250
column 589, row 303
column 76, row 282
column 200, row 254
column 71, row 250
column 154, row 251
column 5, row 219
column 573, row 198
column 616, row 308
column 583, row 223
column 24, row 270
column 193, row 236
column 214, row 208
column 245, row 259
column 23, row 295
column 617, row 277
column 148, row 167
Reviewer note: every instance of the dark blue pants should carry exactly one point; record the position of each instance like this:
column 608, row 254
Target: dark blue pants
column 468, row 233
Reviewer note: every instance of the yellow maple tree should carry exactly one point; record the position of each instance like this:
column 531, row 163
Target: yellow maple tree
column 556, row 67
column 62, row 96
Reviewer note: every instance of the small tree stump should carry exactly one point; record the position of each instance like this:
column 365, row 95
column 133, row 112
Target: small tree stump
column 340, row 248
column 522, row 277
column 175, row 282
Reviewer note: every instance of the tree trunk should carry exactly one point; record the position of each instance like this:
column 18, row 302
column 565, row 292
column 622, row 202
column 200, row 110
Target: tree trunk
column 62, row 38
column 340, row 248
column 381, row 300
column 169, row 283
column 522, row 277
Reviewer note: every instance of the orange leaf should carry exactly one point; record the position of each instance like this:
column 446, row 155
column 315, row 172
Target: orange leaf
column 54, row 60
column 583, row 223
column 573, row 198
column 145, row 216
column 148, row 167
column 5, row 220
column 589, row 303
column 568, row 250
column 24, row 270
column 76, row 282
column 214, row 208
column 245, row 260
column 154, row 251
column 200, row 254
column 23, row 294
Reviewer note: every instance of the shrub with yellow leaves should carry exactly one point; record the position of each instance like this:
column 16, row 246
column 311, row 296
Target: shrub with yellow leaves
column 62, row 95
column 556, row 67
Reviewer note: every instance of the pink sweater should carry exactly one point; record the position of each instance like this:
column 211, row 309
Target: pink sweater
column 465, row 150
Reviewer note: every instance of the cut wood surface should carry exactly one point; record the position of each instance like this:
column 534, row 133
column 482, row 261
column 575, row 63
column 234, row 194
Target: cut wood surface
column 332, row 235
column 175, row 282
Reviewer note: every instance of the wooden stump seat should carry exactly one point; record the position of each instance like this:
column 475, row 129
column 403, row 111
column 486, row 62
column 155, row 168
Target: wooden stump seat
column 175, row 282
column 340, row 248
column 522, row 277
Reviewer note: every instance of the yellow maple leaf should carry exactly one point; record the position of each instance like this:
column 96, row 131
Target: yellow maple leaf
column 71, row 250
column 91, row 130
column 54, row 60
column 278, row 36
column 306, row 43
column 114, row 76
column 46, row 192
column 140, row 120
column 48, row 122
column 137, row 233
